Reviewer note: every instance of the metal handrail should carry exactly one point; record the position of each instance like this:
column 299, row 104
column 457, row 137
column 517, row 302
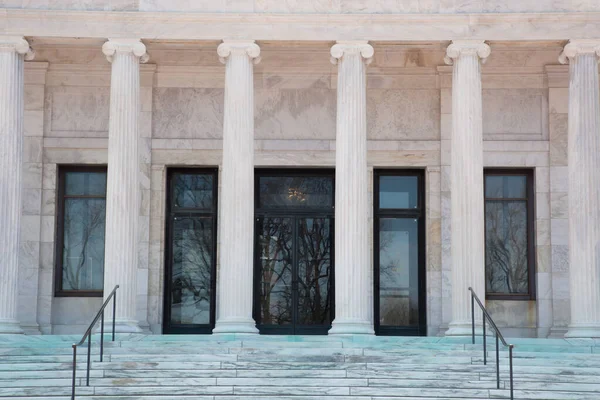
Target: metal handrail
column 487, row 316
column 88, row 335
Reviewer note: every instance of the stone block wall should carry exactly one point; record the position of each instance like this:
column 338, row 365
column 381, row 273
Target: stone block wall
column 409, row 126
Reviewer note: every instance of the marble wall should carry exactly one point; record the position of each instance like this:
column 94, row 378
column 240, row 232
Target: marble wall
column 409, row 126
column 313, row 6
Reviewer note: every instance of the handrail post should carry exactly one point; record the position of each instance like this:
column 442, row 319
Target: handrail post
column 74, row 372
column 87, row 380
column 510, row 356
column 102, row 336
column 88, row 335
column 497, row 362
column 114, row 313
column 472, row 317
column 484, row 343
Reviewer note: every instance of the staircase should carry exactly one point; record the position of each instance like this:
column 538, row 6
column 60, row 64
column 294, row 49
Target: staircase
column 229, row 367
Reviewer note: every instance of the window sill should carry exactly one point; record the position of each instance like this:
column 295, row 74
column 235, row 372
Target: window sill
column 77, row 293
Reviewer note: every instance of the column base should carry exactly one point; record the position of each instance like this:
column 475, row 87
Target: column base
column 462, row 329
column 351, row 327
column 557, row 332
column 10, row 326
column 121, row 326
column 583, row 331
column 235, row 325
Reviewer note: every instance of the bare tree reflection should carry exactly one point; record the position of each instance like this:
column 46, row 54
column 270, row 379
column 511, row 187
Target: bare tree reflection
column 275, row 245
column 306, row 252
column 194, row 191
column 314, row 270
column 193, row 249
column 83, row 244
column 192, row 261
column 506, row 247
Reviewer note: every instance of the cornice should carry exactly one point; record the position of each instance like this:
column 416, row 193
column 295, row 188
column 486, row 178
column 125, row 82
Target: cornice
column 318, row 27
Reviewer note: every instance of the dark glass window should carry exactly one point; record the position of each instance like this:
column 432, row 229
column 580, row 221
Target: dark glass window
column 399, row 252
column 190, row 251
column 295, row 191
column 80, row 233
column 509, row 252
column 398, row 192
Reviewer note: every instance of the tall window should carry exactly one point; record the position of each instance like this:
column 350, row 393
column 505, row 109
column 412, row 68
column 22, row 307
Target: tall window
column 509, row 251
column 80, row 234
column 399, row 234
column 190, row 252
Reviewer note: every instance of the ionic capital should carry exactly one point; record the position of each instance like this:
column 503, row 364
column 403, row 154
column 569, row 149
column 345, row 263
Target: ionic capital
column 343, row 47
column 467, row 47
column 239, row 47
column 135, row 46
column 16, row 44
column 578, row 47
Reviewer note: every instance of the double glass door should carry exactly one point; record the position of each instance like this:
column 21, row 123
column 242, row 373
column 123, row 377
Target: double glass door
column 294, row 252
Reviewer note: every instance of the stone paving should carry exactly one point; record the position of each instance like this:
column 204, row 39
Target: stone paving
column 228, row 367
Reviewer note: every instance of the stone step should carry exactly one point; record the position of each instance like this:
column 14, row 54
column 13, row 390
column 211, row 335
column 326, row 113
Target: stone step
column 230, row 367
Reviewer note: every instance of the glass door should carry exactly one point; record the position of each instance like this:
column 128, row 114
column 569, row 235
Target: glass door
column 294, row 252
column 399, row 253
column 190, row 251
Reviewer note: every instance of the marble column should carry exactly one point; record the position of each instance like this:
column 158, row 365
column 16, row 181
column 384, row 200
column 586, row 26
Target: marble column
column 123, row 188
column 466, row 176
column 584, row 186
column 352, row 247
column 236, row 253
column 14, row 50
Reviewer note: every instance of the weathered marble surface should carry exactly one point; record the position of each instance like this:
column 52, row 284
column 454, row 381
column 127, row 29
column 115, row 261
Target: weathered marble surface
column 409, row 110
column 403, row 114
column 187, row 113
column 77, row 112
column 312, row 6
column 113, row 5
column 514, row 111
column 295, row 113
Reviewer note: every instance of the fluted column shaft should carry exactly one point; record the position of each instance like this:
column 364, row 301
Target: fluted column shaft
column 237, row 189
column 584, row 187
column 122, row 190
column 352, row 255
column 466, row 174
column 13, row 52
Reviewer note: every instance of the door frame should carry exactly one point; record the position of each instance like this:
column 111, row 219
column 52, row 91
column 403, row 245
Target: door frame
column 167, row 327
column 420, row 214
column 294, row 215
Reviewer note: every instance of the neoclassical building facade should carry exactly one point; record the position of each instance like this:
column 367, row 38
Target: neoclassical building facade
column 321, row 167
